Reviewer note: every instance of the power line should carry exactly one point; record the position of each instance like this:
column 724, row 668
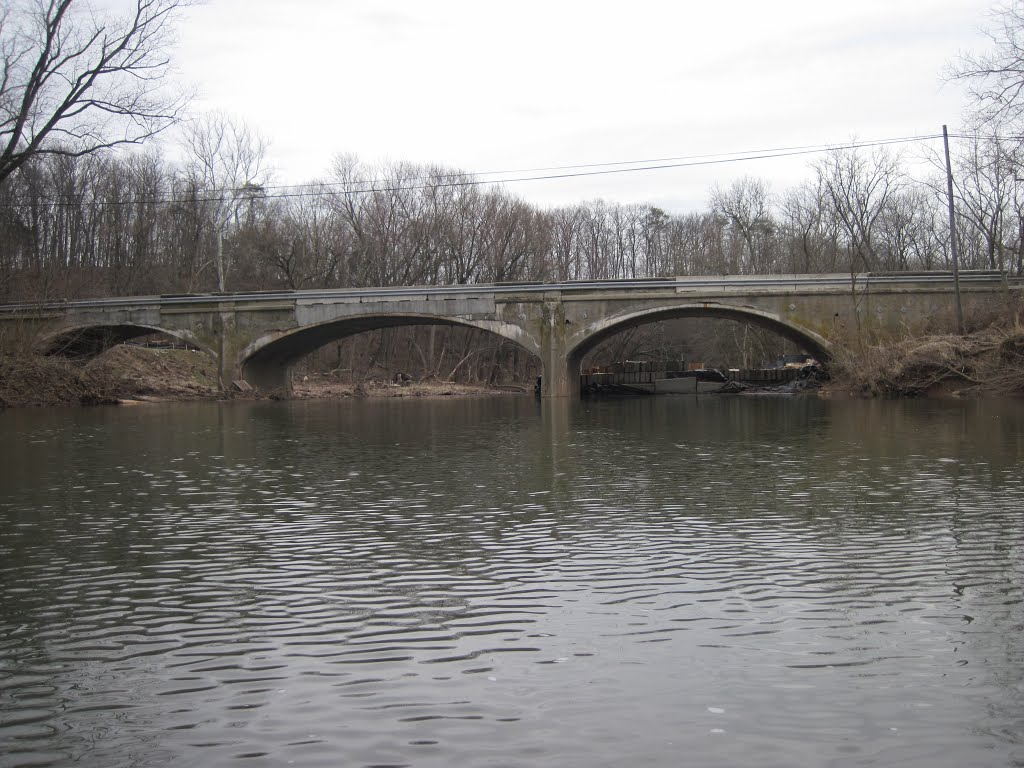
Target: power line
column 468, row 179
column 678, row 161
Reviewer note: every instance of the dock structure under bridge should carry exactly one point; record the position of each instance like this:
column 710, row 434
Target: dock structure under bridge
column 257, row 336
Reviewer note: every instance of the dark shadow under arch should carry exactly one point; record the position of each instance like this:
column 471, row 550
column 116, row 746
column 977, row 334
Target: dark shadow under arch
column 87, row 342
column 591, row 337
column 266, row 363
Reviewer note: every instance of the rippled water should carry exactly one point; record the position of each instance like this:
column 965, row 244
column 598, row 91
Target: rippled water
column 497, row 582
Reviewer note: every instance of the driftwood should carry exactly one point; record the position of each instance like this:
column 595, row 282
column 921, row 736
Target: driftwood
column 988, row 362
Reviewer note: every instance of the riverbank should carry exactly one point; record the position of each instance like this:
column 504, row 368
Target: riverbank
column 123, row 373
column 129, row 374
column 325, row 388
column 987, row 363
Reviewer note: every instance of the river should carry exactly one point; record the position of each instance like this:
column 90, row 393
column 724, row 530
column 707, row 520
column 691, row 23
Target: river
column 503, row 582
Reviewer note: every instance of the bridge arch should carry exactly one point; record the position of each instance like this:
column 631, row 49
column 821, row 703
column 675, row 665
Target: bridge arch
column 92, row 340
column 266, row 362
column 586, row 339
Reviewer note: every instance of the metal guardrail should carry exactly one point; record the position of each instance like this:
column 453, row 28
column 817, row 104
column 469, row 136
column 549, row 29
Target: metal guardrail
column 862, row 280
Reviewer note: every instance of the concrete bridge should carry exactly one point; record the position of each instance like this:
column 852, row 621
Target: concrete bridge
column 258, row 336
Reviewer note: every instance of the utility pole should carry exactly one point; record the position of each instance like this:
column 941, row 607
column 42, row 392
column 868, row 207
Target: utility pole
column 952, row 236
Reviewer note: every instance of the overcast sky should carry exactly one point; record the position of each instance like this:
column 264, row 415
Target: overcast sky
column 485, row 87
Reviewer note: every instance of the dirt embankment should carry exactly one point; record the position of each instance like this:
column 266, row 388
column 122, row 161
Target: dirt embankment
column 123, row 373
column 130, row 373
column 986, row 363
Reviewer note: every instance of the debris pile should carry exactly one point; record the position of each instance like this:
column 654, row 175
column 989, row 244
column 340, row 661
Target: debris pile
column 125, row 372
column 988, row 362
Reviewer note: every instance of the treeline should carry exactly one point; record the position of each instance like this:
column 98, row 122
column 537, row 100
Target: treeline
column 136, row 224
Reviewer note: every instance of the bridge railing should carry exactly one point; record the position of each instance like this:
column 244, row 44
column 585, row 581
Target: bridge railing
column 865, row 280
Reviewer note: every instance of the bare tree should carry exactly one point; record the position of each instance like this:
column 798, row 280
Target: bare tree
column 397, row 214
column 905, row 229
column 995, row 79
column 1017, row 243
column 227, row 163
column 73, row 82
column 746, row 204
column 696, row 244
column 598, row 244
column 985, row 177
column 316, row 241
column 810, row 235
column 564, row 249
column 655, row 232
column 858, row 188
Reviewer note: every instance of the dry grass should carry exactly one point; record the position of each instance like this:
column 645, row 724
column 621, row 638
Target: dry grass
column 159, row 373
column 32, row 380
column 122, row 373
column 987, row 362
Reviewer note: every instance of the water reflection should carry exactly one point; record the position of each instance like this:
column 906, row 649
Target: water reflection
column 504, row 581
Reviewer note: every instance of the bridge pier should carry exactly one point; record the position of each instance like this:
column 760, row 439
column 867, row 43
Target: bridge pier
column 268, row 376
column 561, row 375
column 558, row 379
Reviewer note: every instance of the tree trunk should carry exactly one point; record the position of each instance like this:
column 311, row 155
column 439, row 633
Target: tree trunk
column 219, row 258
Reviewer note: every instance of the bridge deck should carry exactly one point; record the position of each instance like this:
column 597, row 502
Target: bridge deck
column 741, row 283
